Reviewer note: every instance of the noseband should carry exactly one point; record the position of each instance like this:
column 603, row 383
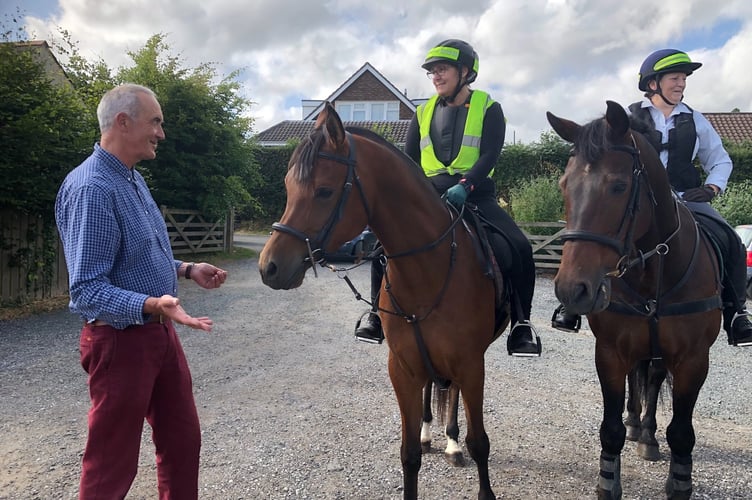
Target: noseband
column 317, row 243
column 624, row 247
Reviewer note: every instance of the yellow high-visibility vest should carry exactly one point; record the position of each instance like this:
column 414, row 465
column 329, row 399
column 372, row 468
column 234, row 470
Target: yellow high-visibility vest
column 469, row 150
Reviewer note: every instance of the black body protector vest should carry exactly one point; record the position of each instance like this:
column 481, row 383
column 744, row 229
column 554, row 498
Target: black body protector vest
column 447, row 131
column 682, row 173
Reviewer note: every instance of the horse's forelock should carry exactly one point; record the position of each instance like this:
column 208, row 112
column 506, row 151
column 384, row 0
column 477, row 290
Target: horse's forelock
column 304, row 156
column 593, row 141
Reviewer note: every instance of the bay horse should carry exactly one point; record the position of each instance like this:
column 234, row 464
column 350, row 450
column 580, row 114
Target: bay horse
column 636, row 263
column 436, row 305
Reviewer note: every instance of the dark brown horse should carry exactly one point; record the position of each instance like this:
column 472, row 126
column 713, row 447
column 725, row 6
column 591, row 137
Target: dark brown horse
column 436, row 305
column 635, row 262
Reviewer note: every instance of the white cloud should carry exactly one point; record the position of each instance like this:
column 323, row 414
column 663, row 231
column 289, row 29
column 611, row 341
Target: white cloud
column 566, row 56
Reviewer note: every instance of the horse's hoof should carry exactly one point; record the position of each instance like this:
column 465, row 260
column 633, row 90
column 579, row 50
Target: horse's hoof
column 614, row 494
column 456, row 459
column 425, row 447
column 649, row 452
column 673, row 494
column 633, row 433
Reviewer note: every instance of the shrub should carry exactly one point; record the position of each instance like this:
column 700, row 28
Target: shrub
column 538, row 200
column 736, row 203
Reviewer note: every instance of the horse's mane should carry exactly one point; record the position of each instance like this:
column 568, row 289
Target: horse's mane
column 593, row 139
column 305, row 154
column 412, row 167
column 373, row 136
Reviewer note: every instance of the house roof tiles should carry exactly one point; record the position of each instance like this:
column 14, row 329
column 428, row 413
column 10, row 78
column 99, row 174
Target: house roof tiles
column 733, row 127
column 281, row 133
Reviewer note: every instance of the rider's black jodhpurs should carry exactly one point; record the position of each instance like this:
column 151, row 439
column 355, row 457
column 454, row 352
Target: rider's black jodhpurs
column 733, row 254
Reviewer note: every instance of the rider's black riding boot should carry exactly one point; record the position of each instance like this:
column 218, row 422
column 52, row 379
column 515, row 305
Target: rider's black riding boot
column 523, row 340
column 368, row 328
column 564, row 321
column 735, row 316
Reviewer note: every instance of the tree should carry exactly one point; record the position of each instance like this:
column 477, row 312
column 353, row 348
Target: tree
column 41, row 131
column 206, row 162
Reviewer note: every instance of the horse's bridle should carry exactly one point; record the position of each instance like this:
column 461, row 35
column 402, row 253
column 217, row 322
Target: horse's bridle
column 317, row 243
column 625, row 248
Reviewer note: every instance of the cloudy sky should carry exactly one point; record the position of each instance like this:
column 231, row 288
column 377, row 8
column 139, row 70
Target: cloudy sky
column 563, row 56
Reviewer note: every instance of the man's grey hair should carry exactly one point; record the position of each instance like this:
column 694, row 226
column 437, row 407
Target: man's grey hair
column 121, row 99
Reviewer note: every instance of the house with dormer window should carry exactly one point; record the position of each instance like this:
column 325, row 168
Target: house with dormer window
column 366, row 99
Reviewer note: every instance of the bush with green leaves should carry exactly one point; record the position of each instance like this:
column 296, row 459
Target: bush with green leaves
column 735, row 205
column 538, row 200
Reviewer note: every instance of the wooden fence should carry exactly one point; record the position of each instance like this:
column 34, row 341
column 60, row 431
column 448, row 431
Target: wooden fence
column 544, row 237
column 191, row 233
column 22, row 277
column 31, row 270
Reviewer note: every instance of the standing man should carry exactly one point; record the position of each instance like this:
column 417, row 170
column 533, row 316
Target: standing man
column 123, row 283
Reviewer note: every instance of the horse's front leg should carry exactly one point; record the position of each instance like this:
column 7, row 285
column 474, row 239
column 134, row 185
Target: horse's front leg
column 689, row 378
column 611, row 374
column 408, row 392
column 477, row 439
column 647, row 446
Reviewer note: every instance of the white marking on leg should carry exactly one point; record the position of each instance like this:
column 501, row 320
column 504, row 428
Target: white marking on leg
column 425, row 432
column 452, row 447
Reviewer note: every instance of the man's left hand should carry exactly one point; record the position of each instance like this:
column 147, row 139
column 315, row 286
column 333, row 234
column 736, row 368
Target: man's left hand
column 208, row 276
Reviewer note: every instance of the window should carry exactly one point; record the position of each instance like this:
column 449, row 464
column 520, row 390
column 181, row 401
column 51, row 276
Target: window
column 359, row 112
column 368, row 110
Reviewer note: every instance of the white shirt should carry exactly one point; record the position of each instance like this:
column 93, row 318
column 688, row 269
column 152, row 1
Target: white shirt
column 714, row 159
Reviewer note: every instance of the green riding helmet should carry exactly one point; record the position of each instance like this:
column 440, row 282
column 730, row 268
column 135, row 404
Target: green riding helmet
column 456, row 52
column 665, row 61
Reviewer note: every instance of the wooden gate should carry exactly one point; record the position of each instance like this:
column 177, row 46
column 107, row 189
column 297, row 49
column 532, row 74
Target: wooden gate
column 544, row 237
column 191, row 233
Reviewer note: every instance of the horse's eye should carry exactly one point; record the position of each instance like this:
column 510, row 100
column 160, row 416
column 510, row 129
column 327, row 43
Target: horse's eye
column 619, row 187
column 324, row 193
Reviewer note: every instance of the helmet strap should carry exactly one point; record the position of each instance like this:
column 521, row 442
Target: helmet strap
column 659, row 91
column 460, row 83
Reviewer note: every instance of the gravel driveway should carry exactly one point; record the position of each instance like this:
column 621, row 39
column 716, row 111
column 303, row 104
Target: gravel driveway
column 293, row 408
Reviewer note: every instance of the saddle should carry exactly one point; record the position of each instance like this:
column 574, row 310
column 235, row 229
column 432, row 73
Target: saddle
column 495, row 255
column 717, row 234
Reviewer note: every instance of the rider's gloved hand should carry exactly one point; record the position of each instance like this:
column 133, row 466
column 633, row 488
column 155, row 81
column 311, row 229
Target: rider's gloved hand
column 457, row 194
column 699, row 194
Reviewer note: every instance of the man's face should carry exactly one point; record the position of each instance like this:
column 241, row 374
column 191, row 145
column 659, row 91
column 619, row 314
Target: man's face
column 145, row 129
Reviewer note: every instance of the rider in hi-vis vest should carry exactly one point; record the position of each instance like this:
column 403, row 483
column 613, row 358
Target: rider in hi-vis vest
column 456, row 137
column 680, row 135
column 470, row 147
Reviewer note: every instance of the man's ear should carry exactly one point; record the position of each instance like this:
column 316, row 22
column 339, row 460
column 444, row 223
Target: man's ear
column 121, row 119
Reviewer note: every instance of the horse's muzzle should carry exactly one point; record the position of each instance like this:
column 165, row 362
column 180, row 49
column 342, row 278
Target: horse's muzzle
column 582, row 297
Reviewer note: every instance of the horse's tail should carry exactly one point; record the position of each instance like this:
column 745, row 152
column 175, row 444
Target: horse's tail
column 652, row 372
column 441, row 403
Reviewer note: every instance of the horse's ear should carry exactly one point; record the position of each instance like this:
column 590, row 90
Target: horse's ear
column 617, row 118
column 567, row 130
column 333, row 128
